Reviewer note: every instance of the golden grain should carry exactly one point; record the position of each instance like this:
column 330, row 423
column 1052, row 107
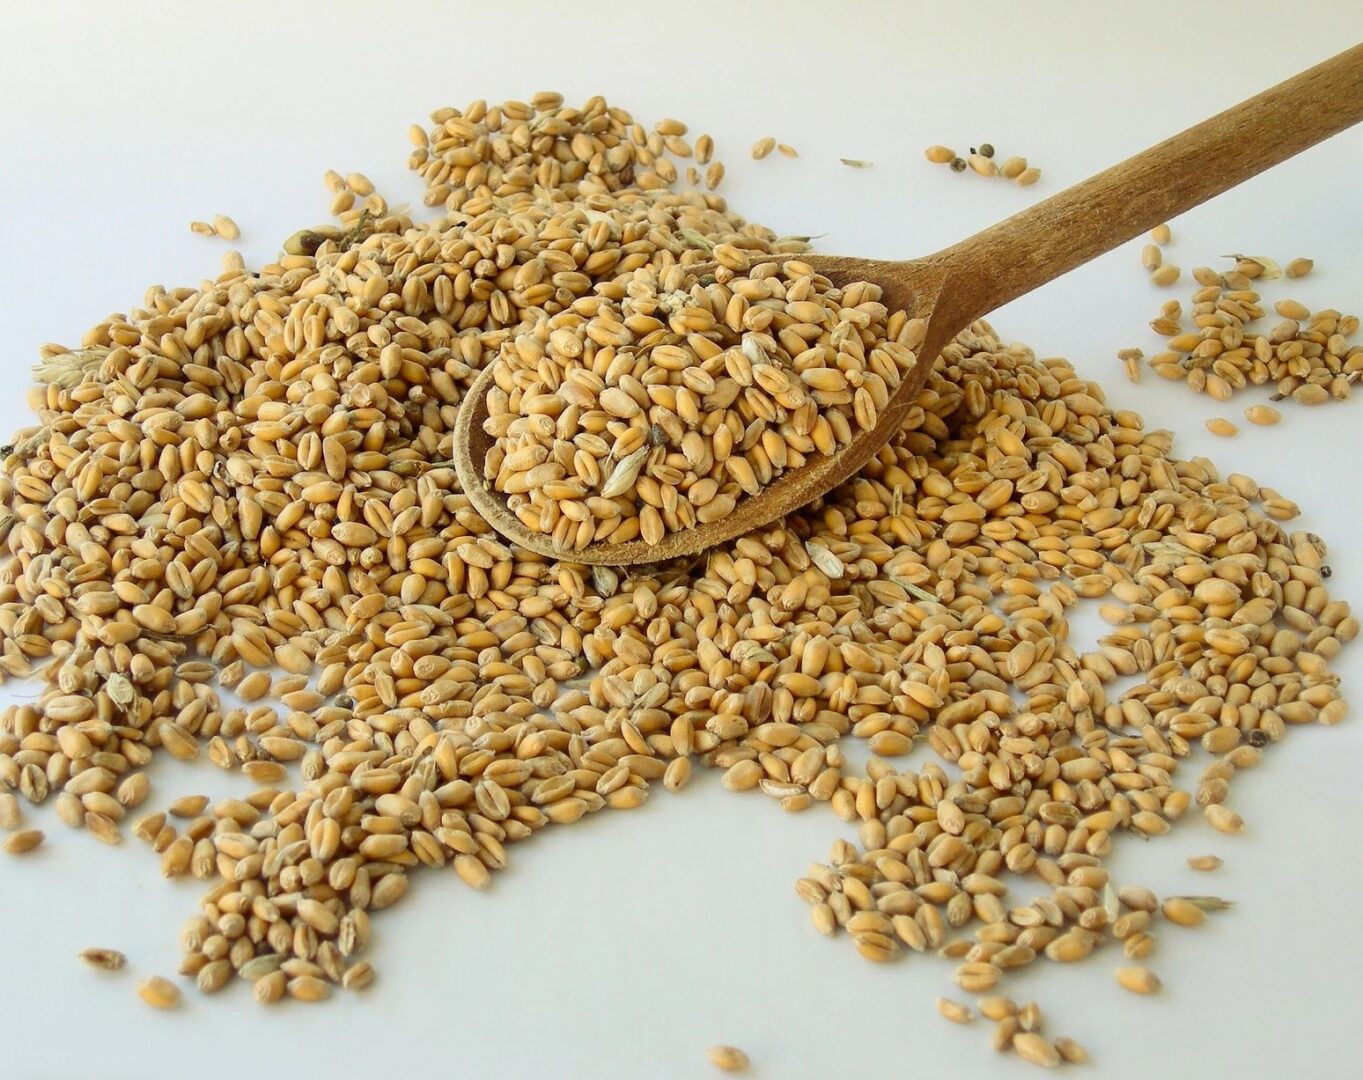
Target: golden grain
column 984, row 166
column 11, row 817
column 1071, row 1051
column 727, row 1058
column 159, row 993
column 1223, row 819
column 1035, row 1050
column 996, row 1008
column 1182, row 912
column 1139, row 980
column 24, row 841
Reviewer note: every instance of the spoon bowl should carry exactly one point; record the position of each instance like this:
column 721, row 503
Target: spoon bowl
column 960, row 284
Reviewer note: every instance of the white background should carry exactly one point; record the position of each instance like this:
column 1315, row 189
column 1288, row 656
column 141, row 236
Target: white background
column 627, row 945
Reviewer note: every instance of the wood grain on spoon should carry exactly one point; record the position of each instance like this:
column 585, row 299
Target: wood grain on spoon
column 960, row 284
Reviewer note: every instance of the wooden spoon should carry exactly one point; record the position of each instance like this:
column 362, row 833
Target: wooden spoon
column 956, row 286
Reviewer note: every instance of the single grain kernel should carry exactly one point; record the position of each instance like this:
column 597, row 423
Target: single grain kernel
column 983, row 165
column 103, row 959
column 159, row 993
column 1223, row 819
column 1071, row 1051
column 1035, row 1050
column 24, row 841
column 1182, row 912
column 11, row 817
column 1139, row 980
column 727, row 1058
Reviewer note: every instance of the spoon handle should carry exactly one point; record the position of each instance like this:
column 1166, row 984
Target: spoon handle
column 1031, row 248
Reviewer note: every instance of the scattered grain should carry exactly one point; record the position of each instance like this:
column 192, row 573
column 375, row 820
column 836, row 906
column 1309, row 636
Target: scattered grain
column 255, row 473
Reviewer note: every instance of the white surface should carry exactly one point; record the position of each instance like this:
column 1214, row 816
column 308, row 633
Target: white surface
column 625, row 946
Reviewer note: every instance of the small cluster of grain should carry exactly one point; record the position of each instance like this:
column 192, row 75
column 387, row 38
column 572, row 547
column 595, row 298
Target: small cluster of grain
column 661, row 401
column 253, row 477
column 1217, row 346
column 472, row 158
column 981, row 160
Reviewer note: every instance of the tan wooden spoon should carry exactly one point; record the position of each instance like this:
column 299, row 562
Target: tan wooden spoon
column 962, row 283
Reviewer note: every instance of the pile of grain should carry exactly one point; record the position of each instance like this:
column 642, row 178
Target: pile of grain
column 254, row 474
